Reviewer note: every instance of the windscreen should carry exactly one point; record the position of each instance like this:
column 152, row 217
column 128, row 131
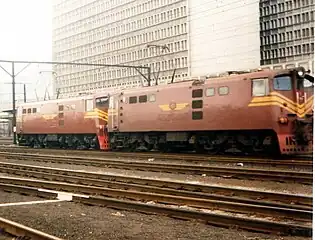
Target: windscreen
column 282, row 83
column 101, row 102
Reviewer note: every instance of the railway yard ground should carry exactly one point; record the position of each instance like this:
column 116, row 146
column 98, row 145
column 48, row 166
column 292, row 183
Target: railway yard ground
column 135, row 196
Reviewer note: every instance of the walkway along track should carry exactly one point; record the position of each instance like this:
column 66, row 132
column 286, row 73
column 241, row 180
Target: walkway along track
column 300, row 227
column 243, row 173
column 301, row 162
column 19, row 230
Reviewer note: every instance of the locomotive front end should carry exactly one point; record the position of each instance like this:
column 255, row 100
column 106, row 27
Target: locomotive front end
column 293, row 91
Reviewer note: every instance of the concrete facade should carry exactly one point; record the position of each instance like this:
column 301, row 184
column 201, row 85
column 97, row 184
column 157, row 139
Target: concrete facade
column 201, row 37
column 117, row 32
column 223, row 36
column 287, row 32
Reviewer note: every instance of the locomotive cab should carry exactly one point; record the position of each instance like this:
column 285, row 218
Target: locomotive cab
column 293, row 91
column 101, row 107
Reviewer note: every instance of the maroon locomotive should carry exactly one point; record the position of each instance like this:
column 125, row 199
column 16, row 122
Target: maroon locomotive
column 269, row 111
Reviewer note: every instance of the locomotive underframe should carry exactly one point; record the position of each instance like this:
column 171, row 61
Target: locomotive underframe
column 213, row 142
column 65, row 141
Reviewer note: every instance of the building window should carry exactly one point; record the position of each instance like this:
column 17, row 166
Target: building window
column 223, row 90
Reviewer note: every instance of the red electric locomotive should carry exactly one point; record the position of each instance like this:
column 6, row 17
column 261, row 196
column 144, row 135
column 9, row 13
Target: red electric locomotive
column 269, row 111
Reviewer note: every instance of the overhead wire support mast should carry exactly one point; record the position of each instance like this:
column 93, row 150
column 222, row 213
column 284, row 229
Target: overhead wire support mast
column 13, row 75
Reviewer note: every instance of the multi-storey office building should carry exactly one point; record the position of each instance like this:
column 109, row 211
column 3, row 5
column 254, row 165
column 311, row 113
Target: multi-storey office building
column 287, row 31
column 202, row 37
column 117, row 32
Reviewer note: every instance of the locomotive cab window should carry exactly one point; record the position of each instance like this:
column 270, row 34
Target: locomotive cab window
column 88, row 105
column 282, row 83
column 259, row 87
column 101, row 102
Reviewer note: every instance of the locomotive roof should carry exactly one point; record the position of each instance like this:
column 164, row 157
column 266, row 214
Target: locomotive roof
column 219, row 79
column 58, row 100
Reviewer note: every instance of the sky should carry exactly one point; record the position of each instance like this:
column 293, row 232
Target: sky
column 26, row 34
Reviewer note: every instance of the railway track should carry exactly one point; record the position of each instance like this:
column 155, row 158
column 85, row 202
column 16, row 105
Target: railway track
column 302, row 161
column 299, row 222
column 23, row 232
column 291, row 214
column 175, row 188
column 227, row 172
column 5, row 141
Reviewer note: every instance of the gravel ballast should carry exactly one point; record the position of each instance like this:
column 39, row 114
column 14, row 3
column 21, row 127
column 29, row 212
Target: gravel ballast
column 7, row 197
column 294, row 188
column 73, row 221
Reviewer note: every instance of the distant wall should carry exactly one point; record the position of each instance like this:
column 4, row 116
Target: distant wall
column 223, row 35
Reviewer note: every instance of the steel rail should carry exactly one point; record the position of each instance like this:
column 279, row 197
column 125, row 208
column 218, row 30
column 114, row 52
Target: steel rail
column 243, row 173
column 20, row 230
column 160, row 186
column 252, row 224
column 181, row 157
column 216, row 219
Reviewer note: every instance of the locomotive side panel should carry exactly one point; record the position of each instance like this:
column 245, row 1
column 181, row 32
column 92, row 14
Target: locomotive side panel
column 62, row 117
column 216, row 105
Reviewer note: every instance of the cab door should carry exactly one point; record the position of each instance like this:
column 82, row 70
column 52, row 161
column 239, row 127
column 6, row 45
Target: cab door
column 285, row 88
column 113, row 113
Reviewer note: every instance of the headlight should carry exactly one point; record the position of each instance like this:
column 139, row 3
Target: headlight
column 300, row 73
